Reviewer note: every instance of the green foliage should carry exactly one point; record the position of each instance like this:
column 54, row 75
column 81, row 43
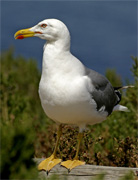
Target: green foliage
column 19, row 84
column 17, row 152
column 134, row 68
column 19, row 101
column 100, row 177
column 114, row 78
column 129, row 176
column 26, row 132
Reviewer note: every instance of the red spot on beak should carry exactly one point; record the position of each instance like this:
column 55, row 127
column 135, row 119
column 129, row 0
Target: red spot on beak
column 20, row 37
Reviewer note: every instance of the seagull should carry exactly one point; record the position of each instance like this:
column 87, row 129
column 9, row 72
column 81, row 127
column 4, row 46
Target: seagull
column 70, row 93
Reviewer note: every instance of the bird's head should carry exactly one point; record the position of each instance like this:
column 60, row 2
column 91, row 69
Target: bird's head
column 49, row 29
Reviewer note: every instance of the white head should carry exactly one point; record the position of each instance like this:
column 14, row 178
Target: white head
column 49, row 29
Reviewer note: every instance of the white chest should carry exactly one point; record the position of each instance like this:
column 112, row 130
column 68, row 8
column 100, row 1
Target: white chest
column 68, row 102
column 64, row 91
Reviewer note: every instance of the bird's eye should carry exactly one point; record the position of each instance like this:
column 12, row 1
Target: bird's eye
column 43, row 25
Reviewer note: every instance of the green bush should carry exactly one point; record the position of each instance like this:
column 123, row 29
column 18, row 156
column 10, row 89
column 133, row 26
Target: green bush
column 17, row 152
column 20, row 110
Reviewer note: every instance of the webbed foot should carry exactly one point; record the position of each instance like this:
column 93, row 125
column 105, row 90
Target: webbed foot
column 70, row 164
column 48, row 163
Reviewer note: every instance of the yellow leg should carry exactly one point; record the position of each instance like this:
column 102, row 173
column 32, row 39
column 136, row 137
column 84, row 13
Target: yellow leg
column 70, row 164
column 50, row 162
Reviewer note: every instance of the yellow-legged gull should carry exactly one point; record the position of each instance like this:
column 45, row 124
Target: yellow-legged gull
column 70, row 93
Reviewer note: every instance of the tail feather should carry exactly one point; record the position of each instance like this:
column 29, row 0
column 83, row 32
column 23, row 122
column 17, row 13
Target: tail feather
column 120, row 108
column 119, row 95
column 123, row 87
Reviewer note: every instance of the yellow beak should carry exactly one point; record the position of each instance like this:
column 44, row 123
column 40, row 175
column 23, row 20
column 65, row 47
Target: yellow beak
column 24, row 33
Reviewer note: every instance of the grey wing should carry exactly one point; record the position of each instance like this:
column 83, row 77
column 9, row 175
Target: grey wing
column 103, row 93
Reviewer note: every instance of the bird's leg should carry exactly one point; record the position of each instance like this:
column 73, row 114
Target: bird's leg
column 70, row 164
column 50, row 162
column 80, row 136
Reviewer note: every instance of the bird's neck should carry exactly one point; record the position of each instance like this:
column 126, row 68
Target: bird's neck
column 58, row 45
column 54, row 55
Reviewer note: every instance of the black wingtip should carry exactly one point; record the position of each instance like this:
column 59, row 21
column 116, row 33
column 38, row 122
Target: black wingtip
column 117, row 88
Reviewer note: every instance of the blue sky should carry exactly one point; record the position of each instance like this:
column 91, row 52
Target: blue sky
column 103, row 33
